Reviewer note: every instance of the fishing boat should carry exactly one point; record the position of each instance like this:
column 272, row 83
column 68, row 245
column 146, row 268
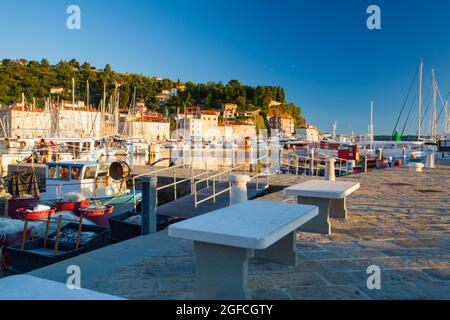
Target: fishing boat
column 104, row 183
column 50, row 149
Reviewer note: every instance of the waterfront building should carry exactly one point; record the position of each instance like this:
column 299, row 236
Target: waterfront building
column 199, row 124
column 308, row 133
column 151, row 127
column 17, row 121
column 240, row 129
column 229, row 110
column 284, row 123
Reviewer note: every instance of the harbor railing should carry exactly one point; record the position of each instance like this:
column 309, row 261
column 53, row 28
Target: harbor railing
column 313, row 164
column 218, row 178
column 155, row 173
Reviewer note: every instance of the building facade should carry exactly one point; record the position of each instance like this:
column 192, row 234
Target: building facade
column 229, row 110
column 308, row 133
column 284, row 123
column 66, row 122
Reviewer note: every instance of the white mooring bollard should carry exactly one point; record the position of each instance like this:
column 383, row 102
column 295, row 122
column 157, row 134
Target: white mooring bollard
column 430, row 160
column 329, row 170
column 238, row 188
column 416, row 167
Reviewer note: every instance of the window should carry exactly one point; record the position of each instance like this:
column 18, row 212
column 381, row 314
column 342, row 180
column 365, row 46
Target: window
column 52, row 172
column 103, row 170
column 63, row 173
column 89, row 173
column 86, row 147
column 76, row 173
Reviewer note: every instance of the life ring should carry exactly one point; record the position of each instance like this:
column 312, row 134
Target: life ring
column 23, row 144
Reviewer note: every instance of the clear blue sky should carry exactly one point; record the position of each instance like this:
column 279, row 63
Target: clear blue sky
column 320, row 51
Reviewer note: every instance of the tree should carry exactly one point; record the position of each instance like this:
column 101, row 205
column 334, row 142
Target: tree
column 108, row 69
column 35, row 80
column 45, row 63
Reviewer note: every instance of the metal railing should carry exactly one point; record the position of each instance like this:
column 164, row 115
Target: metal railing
column 214, row 179
column 312, row 164
column 192, row 177
column 259, row 174
column 217, row 178
column 154, row 173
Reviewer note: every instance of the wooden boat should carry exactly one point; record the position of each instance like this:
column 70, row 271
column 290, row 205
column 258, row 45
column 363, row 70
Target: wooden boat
column 41, row 252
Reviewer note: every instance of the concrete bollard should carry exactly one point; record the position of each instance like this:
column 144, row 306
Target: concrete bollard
column 330, row 173
column 430, row 163
column 149, row 204
column 416, row 167
column 311, row 162
column 380, row 153
column 364, row 163
column 238, row 188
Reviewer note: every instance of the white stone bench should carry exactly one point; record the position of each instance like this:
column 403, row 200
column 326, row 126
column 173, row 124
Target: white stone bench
column 25, row 287
column 329, row 196
column 223, row 241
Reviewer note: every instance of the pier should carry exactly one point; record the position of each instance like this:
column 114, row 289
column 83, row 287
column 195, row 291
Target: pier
column 398, row 220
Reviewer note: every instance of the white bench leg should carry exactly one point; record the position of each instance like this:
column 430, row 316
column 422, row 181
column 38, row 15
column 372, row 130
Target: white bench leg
column 339, row 208
column 320, row 223
column 282, row 251
column 221, row 272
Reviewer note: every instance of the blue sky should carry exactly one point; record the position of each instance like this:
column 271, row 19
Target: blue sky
column 320, row 51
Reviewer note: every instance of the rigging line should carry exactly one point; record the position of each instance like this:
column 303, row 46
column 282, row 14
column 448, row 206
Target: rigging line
column 426, row 112
column 409, row 114
column 443, row 106
column 406, row 100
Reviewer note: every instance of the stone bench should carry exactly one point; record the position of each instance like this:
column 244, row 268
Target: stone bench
column 329, row 196
column 224, row 240
column 26, row 287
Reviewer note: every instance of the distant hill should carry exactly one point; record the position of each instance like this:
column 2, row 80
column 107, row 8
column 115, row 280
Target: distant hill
column 36, row 79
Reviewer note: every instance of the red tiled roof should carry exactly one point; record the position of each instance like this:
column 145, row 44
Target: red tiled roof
column 19, row 108
column 235, row 123
column 210, row 112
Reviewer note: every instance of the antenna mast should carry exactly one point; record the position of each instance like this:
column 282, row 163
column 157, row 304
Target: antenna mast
column 419, row 117
column 371, row 128
column 433, row 116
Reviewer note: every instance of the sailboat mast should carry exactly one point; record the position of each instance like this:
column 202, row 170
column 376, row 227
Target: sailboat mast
column 87, row 93
column 371, row 131
column 419, row 116
column 73, row 94
column 433, row 116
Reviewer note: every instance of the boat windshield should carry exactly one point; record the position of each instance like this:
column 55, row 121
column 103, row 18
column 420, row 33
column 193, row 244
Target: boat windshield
column 103, row 170
column 89, row 173
column 52, row 172
column 76, row 173
column 63, row 173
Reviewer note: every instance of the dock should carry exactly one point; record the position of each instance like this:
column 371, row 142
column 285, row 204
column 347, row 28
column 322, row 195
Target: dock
column 399, row 221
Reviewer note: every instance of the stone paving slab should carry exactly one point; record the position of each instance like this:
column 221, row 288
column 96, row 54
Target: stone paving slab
column 395, row 222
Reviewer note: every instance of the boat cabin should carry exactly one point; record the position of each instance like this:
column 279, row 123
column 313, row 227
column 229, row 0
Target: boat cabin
column 89, row 178
column 349, row 152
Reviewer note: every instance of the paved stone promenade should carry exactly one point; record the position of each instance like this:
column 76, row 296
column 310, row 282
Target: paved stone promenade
column 398, row 220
